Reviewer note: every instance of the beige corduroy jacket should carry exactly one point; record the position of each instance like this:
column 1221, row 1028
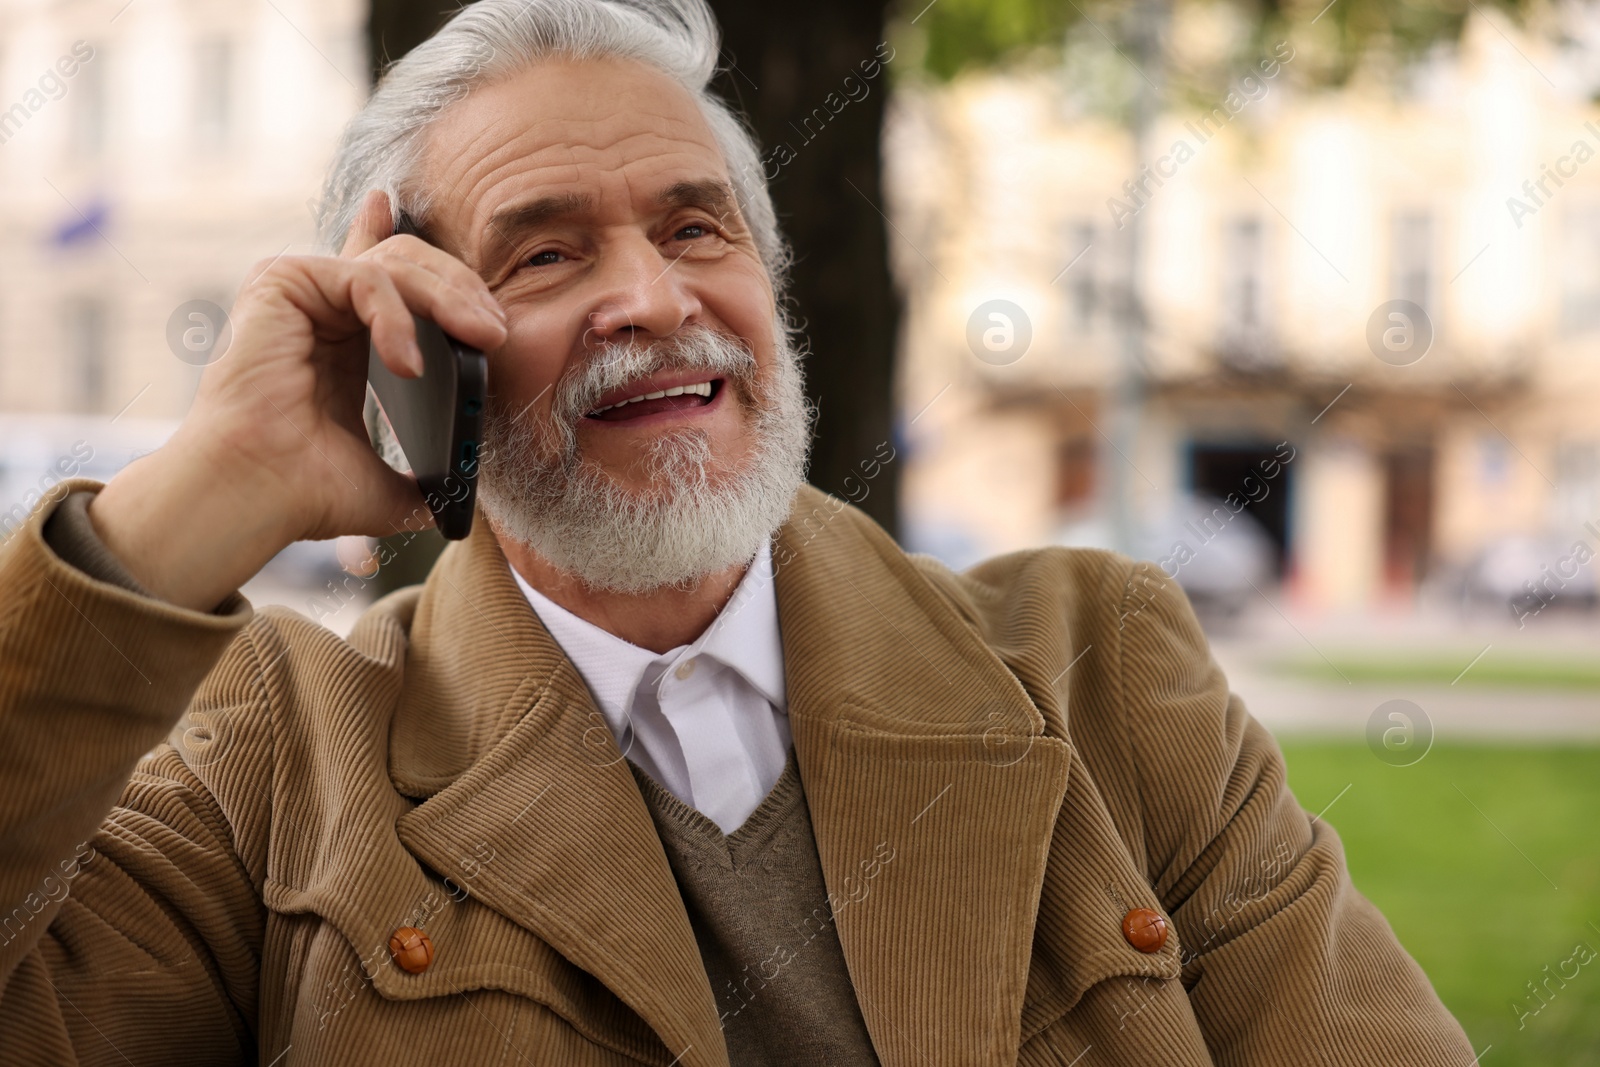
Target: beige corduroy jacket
column 999, row 766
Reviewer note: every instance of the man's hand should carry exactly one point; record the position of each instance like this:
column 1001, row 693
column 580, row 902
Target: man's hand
column 274, row 449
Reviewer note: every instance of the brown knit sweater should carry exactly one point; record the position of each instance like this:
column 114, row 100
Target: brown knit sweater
column 764, row 922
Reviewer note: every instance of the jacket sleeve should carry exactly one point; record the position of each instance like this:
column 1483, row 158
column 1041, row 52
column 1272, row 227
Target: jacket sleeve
column 1284, row 961
column 129, row 925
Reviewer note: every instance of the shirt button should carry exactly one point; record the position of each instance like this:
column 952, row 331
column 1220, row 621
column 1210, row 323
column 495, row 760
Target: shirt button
column 1145, row 930
column 685, row 669
column 411, row 949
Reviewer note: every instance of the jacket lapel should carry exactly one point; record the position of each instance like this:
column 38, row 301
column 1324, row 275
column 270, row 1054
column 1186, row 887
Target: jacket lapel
column 528, row 804
column 933, row 792
column 941, row 808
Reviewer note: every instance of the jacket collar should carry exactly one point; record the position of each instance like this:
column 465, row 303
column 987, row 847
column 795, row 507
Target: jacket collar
column 498, row 736
column 933, row 783
column 931, row 787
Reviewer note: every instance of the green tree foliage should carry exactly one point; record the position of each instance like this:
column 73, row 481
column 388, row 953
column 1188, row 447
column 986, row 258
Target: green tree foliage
column 959, row 34
column 951, row 36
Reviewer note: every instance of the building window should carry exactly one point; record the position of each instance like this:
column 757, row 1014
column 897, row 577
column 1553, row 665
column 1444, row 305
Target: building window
column 84, row 320
column 1081, row 276
column 1494, row 461
column 213, row 92
column 1580, row 270
column 1411, row 260
column 1577, row 496
column 1244, row 304
column 1241, row 299
column 87, row 139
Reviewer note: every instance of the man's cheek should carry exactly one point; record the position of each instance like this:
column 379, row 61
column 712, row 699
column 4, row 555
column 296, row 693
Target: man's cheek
column 524, row 371
column 738, row 296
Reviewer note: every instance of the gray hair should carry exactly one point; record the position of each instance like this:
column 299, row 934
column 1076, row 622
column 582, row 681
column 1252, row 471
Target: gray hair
column 491, row 39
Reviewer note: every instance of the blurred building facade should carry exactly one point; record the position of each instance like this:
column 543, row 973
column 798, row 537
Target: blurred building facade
column 1274, row 230
column 151, row 151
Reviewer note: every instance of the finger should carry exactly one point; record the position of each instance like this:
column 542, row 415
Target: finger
column 380, row 307
column 401, row 508
column 329, row 291
column 449, row 269
column 389, row 502
column 459, row 310
column 373, row 223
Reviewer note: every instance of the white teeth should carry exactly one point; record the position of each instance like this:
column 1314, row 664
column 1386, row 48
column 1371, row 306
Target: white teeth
column 698, row 389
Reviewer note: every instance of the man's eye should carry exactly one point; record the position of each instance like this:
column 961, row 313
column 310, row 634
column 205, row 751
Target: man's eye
column 690, row 232
column 544, row 259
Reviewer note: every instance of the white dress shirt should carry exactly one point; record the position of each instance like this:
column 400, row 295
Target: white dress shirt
column 707, row 720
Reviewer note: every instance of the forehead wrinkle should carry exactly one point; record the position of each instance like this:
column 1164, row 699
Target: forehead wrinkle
column 632, row 104
column 597, row 136
column 516, row 150
column 510, row 149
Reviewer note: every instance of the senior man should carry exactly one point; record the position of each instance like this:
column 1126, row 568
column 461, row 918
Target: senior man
column 674, row 760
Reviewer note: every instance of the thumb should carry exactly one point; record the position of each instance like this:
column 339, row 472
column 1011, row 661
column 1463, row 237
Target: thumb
column 398, row 505
column 374, row 222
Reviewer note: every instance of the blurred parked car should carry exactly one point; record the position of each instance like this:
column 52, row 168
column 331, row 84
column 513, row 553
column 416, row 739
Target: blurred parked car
column 1523, row 575
column 1219, row 557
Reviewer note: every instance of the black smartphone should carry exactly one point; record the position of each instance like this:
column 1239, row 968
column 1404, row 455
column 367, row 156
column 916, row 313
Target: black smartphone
column 437, row 419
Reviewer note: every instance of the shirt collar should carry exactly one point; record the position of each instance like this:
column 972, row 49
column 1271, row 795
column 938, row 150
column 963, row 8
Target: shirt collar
column 743, row 637
column 609, row 665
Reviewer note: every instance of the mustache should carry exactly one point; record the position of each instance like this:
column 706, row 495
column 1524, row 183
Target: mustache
column 614, row 365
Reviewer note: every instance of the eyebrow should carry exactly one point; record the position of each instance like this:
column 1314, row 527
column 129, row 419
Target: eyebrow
column 712, row 195
column 508, row 224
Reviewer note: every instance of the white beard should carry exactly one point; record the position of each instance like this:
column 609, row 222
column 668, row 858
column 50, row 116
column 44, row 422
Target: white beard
column 539, row 490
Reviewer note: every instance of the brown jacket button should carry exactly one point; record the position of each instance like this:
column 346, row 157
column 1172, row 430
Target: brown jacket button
column 411, row 949
column 1145, row 930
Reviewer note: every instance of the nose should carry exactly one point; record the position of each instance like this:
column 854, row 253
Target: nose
column 640, row 293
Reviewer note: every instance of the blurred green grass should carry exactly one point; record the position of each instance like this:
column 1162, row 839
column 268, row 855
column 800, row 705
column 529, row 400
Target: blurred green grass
column 1469, row 890
column 1496, row 668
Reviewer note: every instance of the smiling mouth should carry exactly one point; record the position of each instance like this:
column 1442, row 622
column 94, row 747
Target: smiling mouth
column 678, row 398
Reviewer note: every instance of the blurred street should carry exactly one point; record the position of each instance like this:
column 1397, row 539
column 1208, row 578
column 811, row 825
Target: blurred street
column 1277, row 667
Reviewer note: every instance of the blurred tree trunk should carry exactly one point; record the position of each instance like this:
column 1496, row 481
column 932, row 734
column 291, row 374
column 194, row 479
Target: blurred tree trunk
column 785, row 66
column 395, row 27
